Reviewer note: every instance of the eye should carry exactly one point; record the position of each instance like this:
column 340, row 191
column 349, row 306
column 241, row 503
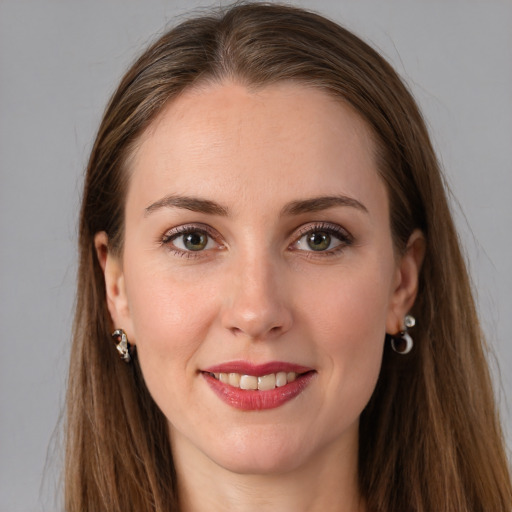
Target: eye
column 189, row 239
column 323, row 238
column 193, row 241
column 318, row 241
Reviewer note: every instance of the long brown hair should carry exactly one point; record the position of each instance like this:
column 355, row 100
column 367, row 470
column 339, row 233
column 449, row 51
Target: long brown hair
column 429, row 438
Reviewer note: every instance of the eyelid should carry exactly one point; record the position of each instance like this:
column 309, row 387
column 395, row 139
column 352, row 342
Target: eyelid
column 336, row 230
column 173, row 233
column 188, row 228
column 330, row 227
column 345, row 238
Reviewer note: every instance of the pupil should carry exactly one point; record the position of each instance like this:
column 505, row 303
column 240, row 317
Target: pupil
column 319, row 241
column 195, row 241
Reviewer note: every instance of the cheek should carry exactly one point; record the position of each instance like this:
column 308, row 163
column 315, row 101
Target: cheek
column 351, row 304
column 347, row 318
column 170, row 318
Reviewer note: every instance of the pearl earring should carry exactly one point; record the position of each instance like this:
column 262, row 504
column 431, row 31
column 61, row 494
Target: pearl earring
column 402, row 342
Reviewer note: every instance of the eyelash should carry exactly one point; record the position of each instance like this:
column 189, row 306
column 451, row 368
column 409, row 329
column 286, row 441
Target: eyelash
column 175, row 233
column 344, row 237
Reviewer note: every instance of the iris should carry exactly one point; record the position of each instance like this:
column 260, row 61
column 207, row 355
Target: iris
column 319, row 241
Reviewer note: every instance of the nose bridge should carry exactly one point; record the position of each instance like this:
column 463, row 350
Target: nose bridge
column 256, row 302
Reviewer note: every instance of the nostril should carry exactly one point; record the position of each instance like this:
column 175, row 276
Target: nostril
column 258, row 333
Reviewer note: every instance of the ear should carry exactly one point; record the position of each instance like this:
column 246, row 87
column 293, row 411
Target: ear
column 405, row 286
column 117, row 301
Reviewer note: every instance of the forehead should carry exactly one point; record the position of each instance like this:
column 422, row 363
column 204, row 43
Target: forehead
column 286, row 139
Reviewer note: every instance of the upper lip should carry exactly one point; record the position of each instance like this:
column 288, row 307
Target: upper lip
column 257, row 370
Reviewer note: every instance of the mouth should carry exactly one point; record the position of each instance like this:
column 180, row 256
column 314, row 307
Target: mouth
column 249, row 387
column 252, row 382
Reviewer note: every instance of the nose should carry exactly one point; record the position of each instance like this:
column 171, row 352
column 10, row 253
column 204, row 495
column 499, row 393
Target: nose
column 256, row 304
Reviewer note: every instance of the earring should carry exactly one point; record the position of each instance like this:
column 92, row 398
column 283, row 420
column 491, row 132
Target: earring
column 402, row 342
column 122, row 345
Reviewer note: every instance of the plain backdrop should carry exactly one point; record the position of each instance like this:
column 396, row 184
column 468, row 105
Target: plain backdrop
column 59, row 63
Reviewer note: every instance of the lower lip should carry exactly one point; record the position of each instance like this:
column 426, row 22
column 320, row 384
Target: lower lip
column 253, row 400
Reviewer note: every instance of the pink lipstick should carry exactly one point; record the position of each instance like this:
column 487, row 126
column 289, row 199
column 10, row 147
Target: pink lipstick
column 246, row 386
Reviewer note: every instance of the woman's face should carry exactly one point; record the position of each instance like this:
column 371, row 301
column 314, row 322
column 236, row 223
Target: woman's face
column 258, row 244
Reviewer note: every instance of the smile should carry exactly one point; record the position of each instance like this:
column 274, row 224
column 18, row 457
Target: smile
column 252, row 388
column 251, row 382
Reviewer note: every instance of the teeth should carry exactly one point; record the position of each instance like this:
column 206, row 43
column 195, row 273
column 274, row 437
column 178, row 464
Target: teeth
column 250, row 382
column 234, row 380
column 267, row 382
column 281, row 379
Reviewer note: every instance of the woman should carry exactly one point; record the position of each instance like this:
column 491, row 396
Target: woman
column 263, row 218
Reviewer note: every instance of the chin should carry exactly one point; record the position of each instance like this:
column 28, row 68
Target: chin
column 260, row 455
column 261, row 464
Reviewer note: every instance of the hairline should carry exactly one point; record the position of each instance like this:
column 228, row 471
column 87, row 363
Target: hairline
column 219, row 78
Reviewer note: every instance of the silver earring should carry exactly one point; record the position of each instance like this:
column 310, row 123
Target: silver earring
column 122, row 345
column 402, row 342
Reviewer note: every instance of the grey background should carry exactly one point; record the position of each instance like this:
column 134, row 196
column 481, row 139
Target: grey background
column 60, row 61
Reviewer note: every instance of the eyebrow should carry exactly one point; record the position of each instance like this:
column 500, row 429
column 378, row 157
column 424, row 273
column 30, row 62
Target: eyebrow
column 193, row 204
column 317, row 204
column 207, row 206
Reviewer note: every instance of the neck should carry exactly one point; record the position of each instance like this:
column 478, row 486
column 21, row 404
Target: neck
column 326, row 483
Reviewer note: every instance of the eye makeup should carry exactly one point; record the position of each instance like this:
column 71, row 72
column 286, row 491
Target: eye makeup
column 190, row 240
column 322, row 239
column 316, row 239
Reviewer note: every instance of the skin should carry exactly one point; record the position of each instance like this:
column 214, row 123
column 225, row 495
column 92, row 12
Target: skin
column 257, row 292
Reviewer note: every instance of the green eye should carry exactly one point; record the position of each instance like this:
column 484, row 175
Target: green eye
column 318, row 241
column 324, row 238
column 195, row 241
column 189, row 240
